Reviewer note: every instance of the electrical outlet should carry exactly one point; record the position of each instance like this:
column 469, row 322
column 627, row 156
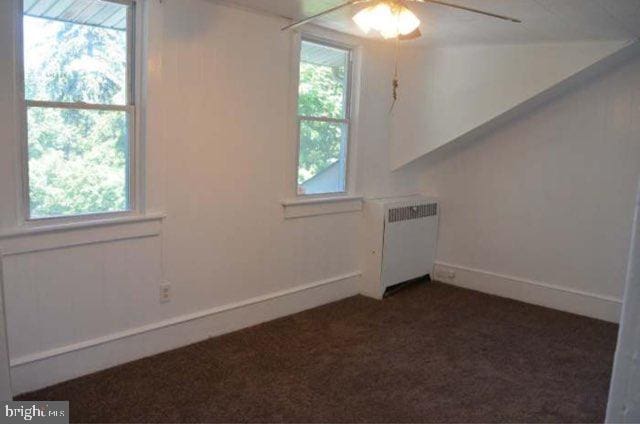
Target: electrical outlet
column 165, row 292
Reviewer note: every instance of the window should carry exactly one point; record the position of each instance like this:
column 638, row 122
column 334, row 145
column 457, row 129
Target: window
column 323, row 118
column 78, row 86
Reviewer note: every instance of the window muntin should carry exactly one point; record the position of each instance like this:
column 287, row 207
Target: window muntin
column 323, row 118
column 78, row 76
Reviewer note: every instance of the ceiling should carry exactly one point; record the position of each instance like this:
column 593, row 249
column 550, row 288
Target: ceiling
column 88, row 12
column 543, row 20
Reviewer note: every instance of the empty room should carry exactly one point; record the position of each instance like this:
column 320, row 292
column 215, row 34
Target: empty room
column 320, row 211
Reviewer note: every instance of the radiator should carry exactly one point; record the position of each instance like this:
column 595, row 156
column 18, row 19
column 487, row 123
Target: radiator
column 400, row 237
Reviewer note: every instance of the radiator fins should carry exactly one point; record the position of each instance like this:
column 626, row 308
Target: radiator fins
column 407, row 213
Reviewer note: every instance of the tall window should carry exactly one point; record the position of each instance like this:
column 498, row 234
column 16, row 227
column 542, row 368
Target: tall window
column 323, row 118
column 78, row 85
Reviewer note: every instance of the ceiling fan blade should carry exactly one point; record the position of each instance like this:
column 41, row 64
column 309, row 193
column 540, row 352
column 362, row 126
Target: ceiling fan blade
column 470, row 9
column 310, row 18
column 411, row 36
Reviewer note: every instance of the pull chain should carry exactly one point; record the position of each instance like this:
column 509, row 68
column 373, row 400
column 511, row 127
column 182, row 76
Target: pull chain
column 396, row 81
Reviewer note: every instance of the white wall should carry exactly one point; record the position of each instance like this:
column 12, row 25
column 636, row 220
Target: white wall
column 541, row 207
column 219, row 157
column 447, row 92
column 225, row 129
column 624, row 397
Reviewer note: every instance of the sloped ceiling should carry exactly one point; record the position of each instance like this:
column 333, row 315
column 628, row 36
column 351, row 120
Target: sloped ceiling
column 469, row 70
column 446, row 93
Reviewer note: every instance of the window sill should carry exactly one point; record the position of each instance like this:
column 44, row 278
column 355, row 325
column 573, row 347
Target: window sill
column 300, row 208
column 70, row 226
column 55, row 236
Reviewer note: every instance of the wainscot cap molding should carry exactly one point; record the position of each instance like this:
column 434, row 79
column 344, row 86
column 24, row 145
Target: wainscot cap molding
column 72, row 226
column 59, row 236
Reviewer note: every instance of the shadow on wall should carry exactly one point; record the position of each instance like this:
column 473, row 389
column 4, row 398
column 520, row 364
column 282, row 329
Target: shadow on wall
column 571, row 84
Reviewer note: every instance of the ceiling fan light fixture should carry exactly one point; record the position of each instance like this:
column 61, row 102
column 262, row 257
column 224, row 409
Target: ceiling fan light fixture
column 389, row 18
column 363, row 19
column 407, row 21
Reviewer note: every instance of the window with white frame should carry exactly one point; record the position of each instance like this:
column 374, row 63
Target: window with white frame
column 324, row 109
column 80, row 109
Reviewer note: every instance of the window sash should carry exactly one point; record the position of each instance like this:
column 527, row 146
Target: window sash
column 324, row 119
column 130, row 169
column 130, row 109
column 346, row 98
column 344, row 154
column 78, row 105
column 346, row 121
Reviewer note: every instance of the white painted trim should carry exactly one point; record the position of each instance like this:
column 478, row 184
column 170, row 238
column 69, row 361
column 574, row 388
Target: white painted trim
column 5, row 373
column 544, row 294
column 22, row 207
column 136, row 166
column 321, row 206
column 132, row 228
column 341, row 41
column 319, row 200
column 323, row 119
column 73, row 226
column 41, row 369
column 79, row 105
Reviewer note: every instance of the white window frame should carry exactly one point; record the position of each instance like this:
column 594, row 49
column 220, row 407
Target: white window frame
column 348, row 120
column 134, row 180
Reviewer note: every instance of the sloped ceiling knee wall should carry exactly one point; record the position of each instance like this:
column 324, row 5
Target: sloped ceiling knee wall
column 449, row 92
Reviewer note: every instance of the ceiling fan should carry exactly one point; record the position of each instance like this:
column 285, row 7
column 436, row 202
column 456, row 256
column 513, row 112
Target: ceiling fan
column 391, row 18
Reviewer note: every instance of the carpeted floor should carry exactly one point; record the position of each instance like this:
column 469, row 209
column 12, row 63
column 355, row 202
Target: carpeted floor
column 430, row 353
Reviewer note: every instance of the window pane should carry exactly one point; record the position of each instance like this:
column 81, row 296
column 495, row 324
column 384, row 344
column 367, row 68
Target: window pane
column 82, row 60
column 323, row 81
column 322, row 157
column 78, row 161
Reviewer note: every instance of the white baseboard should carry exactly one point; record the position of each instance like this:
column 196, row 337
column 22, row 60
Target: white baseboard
column 43, row 369
column 552, row 296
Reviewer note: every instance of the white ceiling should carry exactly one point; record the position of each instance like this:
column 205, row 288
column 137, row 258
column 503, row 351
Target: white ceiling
column 103, row 14
column 543, row 20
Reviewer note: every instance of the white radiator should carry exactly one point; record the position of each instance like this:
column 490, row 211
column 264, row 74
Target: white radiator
column 400, row 238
